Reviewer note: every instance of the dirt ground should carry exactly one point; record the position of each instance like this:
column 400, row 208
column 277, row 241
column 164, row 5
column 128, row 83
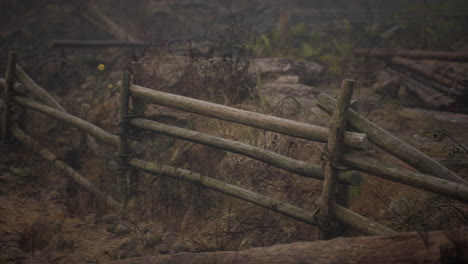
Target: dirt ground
column 47, row 218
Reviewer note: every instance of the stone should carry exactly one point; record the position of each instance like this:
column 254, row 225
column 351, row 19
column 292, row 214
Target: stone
column 152, row 240
column 54, row 195
column 111, row 229
column 122, row 230
column 178, row 248
column 163, row 249
column 271, row 68
column 128, row 244
column 290, row 79
column 110, row 219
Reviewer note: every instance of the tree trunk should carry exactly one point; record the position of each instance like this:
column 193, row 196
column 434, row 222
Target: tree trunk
column 448, row 246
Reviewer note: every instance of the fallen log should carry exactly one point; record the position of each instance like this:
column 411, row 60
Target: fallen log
column 450, row 91
column 69, row 171
column 296, row 166
column 426, row 71
column 447, row 246
column 267, row 122
column 392, row 144
column 344, row 215
column 94, row 44
column 415, row 54
column 426, row 94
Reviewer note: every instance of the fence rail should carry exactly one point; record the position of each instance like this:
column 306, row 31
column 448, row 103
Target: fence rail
column 267, row 122
column 439, row 180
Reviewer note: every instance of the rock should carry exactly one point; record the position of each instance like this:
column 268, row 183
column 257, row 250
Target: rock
column 177, row 248
column 304, row 95
column 272, row 68
column 152, row 240
column 21, row 172
column 163, row 249
column 111, row 229
column 128, row 244
column 54, row 195
column 290, row 79
column 110, row 219
column 134, row 254
column 122, row 230
column 86, row 86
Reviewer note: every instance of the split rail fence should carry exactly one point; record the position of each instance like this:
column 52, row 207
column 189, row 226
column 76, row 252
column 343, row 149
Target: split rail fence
column 343, row 166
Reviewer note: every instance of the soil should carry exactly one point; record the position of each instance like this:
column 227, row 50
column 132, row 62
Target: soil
column 46, row 218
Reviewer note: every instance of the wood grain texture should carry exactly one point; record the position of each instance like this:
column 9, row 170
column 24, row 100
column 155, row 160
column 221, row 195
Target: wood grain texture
column 267, row 122
column 448, row 246
column 303, row 168
column 392, row 144
column 334, row 149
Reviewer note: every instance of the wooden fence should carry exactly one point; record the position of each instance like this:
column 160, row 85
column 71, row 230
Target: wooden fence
column 342, row 148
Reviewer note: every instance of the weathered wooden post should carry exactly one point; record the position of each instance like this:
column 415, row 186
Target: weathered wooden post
column 123, row 135
column 72, row 156
column 139, row 107
column 332, row 152
column 80, row 136
column 10, row 83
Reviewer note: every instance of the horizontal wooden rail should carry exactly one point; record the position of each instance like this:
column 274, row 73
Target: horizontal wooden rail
column 346, row 216
column 360, row 222
column 94, row 44
column 231, row 190
column 272, row 158
column 296, row 166
column 267, row 122
column 422, row 181
column 392, row 144
column 78, row 178
column 91, row 129
column 37, row 90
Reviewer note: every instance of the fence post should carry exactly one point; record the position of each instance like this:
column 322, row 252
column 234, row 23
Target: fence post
column 332, row 154
column 139, row 106
column 79, row 137
column 123, row 135
column 10, row 83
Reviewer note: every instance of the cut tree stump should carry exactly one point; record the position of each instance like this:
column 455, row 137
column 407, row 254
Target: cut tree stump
column 449, row 246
